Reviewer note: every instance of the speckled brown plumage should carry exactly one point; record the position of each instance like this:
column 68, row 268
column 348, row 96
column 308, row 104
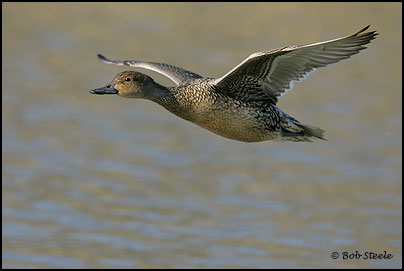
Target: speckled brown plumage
column 241, row 105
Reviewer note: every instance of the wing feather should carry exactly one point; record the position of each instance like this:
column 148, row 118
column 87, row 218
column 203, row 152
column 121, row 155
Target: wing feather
column 178, row 75
column 276, row 70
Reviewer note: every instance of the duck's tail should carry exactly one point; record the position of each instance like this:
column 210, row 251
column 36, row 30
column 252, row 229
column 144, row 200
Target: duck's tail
column 296, row 131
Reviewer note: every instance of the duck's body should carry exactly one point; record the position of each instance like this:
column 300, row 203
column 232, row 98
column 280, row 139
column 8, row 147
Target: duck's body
column 242, row 104
column 201, row 103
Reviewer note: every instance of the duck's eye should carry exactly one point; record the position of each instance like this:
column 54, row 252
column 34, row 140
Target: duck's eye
column 127, row 79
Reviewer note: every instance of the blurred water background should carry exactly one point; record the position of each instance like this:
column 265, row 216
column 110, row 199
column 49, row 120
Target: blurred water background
column 105, row 182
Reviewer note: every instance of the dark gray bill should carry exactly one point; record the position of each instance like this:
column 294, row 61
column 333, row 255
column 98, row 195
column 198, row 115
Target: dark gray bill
column 108, row 89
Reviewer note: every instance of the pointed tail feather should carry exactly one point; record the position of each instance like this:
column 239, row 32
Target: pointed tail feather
column 296, row 131
column 312, row 131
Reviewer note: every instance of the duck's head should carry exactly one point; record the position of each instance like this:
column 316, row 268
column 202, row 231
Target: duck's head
column 128, row 84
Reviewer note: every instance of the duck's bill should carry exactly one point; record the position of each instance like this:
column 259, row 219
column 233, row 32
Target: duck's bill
column 108, row 89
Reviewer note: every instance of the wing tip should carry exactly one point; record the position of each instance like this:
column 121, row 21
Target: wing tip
column 102, row 58
column 109, row 61
column 364, row 29
column 373, row 33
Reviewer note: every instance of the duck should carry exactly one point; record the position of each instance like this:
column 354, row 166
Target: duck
column 240, row 105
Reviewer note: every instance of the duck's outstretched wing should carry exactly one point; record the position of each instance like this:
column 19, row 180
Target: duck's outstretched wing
column 268, row 75
column 176, row 74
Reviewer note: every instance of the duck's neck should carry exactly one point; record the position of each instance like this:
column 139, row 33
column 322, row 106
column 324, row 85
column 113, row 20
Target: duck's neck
column 166, row 97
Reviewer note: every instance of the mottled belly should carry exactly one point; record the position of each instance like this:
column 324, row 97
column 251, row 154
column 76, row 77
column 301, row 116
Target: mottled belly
column 231, row 123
